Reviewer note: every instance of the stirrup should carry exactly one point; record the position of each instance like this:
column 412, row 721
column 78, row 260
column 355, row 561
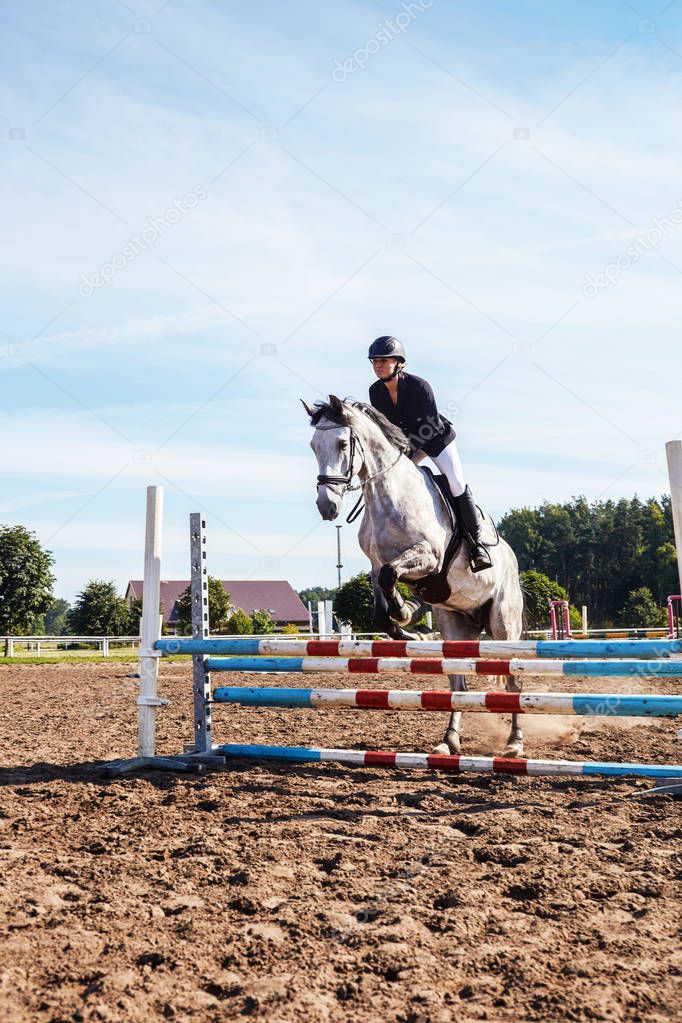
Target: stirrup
column 480, row 558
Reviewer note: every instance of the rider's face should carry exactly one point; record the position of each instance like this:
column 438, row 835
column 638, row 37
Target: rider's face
column 384, row 367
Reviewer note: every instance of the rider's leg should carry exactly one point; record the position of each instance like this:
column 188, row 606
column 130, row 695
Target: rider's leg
column 449, row 463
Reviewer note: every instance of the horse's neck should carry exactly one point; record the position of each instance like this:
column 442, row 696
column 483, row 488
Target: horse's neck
column 397, row 481
column 379, row 456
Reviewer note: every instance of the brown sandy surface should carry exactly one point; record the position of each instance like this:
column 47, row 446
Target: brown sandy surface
column 321, row 892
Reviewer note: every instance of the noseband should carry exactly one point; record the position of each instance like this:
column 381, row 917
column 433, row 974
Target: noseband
column 342, row 481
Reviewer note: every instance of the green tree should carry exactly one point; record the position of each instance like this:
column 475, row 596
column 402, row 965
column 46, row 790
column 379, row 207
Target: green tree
column 641, row 610
column 665, row 571
column 219, row 607
column 261, row 622
column 239, row 624
column 576, row 619
column 55, row 618
column 521, row 529
column 599, row 553
column 26, row 580
column 98, row 611
column 315, row 593
column 134, row 616
column 354, row 603
column 538, row 591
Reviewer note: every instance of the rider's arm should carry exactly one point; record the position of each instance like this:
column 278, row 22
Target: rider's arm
column 425, row 401
column 430, row 431
column 376, row 393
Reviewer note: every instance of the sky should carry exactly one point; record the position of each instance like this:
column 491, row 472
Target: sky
column 210, row 210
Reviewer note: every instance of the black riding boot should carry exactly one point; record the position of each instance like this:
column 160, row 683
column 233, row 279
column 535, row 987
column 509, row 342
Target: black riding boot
column 470, row 524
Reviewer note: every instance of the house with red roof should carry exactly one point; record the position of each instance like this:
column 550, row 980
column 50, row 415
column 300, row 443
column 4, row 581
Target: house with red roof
column 276, row 596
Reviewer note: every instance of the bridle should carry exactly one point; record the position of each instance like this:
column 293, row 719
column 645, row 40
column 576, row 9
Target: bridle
column 343, row 481
column 347, row 481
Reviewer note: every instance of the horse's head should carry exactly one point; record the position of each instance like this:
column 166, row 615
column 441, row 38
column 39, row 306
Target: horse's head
column 350, row 439
column 338, row 456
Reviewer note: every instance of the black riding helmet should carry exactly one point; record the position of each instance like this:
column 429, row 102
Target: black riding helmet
column 387, row 347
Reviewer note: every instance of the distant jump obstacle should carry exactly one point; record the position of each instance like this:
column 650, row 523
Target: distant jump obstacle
column 560, row 623
column 675, row 616
column 560, row 619
column 448, row 657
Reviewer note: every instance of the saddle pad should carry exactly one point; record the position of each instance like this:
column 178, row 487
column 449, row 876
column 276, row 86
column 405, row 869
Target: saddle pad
column 434, row 589
column 489, row 534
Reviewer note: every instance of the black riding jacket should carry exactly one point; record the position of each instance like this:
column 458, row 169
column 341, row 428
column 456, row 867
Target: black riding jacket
column 416, row 413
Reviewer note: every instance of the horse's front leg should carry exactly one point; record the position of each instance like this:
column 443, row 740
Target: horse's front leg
column 452, row 740
column 505, row 621
column 419, row 560
column 453, row 625
column 514, row 747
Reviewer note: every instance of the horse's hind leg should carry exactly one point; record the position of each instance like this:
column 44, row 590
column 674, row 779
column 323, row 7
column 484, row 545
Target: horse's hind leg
column 453, row 625
column 505, row 621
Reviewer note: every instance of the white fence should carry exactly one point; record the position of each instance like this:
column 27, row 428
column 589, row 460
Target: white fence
column 42, row 645
column 39, row 645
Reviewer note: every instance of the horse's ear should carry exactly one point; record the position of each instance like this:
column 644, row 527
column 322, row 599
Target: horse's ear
column 310, row 409
column 336, row 404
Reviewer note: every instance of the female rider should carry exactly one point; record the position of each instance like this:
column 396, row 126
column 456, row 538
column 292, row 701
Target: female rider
column 408, row 402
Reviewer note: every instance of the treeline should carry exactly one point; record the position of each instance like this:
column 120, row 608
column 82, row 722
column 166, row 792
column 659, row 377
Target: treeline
column 600, row 553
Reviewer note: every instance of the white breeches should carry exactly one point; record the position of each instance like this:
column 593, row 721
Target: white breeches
column 449, row 463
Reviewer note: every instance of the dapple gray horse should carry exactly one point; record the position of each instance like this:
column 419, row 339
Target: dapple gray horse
column 404, row 533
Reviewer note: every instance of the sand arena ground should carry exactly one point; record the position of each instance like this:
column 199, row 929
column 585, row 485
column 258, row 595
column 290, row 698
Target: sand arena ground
column 321, row 892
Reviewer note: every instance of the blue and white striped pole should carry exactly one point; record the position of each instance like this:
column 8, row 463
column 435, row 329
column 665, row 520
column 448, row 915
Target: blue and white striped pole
column 446, row 666
column 424, row 648
column 441, row 762
column 596, row 704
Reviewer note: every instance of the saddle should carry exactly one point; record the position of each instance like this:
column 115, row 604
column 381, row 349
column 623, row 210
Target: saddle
column 434, row 589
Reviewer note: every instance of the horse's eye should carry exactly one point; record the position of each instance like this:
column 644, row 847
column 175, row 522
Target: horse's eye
column 343, row 444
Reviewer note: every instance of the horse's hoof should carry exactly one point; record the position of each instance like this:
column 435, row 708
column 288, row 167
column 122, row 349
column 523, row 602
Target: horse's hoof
column 514, row 749
column 441, row 750
column 387, row 578
column 399, row 617
column 395, row 632
column 450, row 746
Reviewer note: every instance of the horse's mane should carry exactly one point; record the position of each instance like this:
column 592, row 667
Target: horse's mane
column 393, row 434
